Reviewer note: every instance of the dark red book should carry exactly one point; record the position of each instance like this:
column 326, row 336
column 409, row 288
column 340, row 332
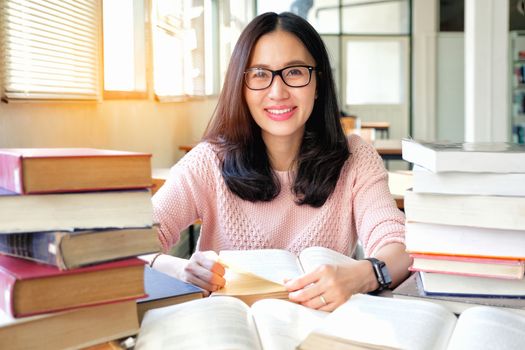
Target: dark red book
column 55, row 170
column 30, row 288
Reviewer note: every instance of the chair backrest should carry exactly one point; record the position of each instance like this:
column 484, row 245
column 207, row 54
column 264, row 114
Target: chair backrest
column 349, row 124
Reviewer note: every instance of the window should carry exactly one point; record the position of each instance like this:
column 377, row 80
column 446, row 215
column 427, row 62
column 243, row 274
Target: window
column 180, row 36
column 124, row 49
column 50, row 49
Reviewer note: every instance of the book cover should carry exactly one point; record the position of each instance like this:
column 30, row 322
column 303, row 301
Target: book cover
column 30, row 288
column 412, row 288
column 75, row 211
column 468, row 266
column 68, row 250
column 492, row 157
column 163, row 290
column 72, row 329
column 51, row 170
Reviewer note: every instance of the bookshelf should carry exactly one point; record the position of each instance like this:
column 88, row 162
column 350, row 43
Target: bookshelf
column 517, row 85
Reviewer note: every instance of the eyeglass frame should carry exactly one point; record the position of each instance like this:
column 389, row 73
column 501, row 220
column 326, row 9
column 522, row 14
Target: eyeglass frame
column 279, row 73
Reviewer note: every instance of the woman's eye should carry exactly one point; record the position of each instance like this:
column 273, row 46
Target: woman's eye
column 295, row 72
column 260, row 74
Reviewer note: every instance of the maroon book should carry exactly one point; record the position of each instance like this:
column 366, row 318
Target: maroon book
column 30, row 288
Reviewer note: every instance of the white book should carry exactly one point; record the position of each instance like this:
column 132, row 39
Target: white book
column 367, row 322
column 464, row 240
column 500, row 212
column 454, row 182
column 74, row 211
column 493, row 157
column 450, row 284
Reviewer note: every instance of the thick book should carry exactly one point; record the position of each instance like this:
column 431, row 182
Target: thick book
column 475, row 157
column 164, row 290
column 368, row 322
column 412, row 288
column 499, row 212
column 468, row 266
column 464, row 241
column 448, row 284
column 252, row 275
column 67, row 250
column 72, row 329
column 453, row 182
column 227, row 323
column 74, row 211
column 29, row 288
column 46, row 170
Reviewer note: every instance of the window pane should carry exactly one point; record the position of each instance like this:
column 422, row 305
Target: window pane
column 50, row 49
column 388, row 17
column 374, row 72
column 124, row 45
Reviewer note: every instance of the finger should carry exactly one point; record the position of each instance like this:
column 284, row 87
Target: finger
column 302, row 281
column 210, row 261
column 319, row 302
column 207, row 276
column 303, row 295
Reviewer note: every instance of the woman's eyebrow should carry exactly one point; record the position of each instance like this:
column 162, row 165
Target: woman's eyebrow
column 287, row 64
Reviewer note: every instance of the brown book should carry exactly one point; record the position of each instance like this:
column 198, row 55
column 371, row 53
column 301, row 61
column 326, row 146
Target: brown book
column 67, row 250
column 252, row 275
column 29, row 288
column 70, row 329
column 52, row 170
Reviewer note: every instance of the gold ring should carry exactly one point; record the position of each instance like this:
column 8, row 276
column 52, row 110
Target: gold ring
column 323, row 300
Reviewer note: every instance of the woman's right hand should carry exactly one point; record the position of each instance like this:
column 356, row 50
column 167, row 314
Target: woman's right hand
column 204, row 271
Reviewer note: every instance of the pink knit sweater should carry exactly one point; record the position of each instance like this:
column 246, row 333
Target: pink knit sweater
column 360, row 207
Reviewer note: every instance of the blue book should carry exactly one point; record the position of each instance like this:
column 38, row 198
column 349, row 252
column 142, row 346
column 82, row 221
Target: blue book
column 164, row 290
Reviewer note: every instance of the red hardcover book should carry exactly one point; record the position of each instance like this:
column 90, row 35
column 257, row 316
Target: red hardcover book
column 54, row 170
column 29, row 288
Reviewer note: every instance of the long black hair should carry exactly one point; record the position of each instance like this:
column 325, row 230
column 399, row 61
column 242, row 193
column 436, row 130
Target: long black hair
column 245, row 164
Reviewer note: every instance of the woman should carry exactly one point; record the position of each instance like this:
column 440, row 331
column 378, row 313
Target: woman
column 274, row 170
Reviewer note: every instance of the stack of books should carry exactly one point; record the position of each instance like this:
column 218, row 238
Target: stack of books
column 72, row 222
column 465, row 224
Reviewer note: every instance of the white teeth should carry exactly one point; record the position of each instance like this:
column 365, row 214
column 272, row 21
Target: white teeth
column 280, row 111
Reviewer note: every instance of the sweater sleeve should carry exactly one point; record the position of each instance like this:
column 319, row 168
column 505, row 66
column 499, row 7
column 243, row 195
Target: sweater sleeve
column 378, row 220
column 183, row 197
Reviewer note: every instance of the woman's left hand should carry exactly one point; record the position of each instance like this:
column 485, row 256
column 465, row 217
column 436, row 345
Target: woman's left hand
column 329, row 286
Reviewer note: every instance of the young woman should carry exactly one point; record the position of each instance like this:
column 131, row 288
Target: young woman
column 274, row 170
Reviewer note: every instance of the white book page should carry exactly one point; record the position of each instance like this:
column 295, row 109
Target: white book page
column 282, row 324
column 272, row 264
column 489, row 328
column 403, row 324
column 314, row 257
column 209, row 323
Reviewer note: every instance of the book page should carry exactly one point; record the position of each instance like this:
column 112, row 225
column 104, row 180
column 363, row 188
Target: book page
column 314, row 257
column 483, row 327
column 210, row 323
column 272, row 264
column 387, row 322
column 282, row 324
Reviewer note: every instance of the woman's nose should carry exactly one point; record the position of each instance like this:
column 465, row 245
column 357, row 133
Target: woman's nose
column 278, row 89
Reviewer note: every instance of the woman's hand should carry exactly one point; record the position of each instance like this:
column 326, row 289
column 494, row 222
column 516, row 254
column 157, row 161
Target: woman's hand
column 204, row 271
column 329, row 286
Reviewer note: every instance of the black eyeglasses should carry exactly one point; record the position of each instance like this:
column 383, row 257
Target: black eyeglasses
column 293, row 76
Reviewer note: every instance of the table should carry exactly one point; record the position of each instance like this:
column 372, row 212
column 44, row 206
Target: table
column 382, row 128
column 388, row 149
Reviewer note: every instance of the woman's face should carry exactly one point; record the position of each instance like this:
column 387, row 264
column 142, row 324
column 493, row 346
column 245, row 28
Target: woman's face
column 280, row 110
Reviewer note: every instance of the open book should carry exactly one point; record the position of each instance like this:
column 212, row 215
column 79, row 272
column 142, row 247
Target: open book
column 227, row 323
column 252, row 275
column 367, row 322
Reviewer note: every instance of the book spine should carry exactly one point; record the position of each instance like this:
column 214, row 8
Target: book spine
column 39, row 246
column 11, row 177
column 7, row 286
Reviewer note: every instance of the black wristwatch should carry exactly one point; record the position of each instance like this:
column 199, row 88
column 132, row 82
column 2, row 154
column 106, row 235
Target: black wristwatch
column 382, row 274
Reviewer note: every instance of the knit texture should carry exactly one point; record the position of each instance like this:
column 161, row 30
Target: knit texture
column 361, row 207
